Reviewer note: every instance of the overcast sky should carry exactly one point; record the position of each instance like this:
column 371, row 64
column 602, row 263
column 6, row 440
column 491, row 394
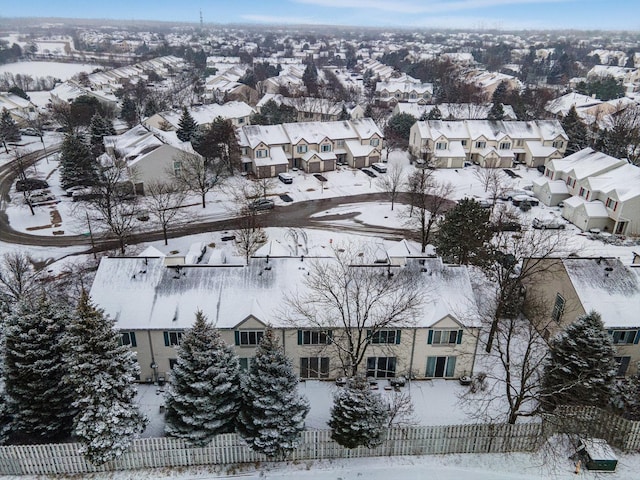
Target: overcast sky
column 469, row 14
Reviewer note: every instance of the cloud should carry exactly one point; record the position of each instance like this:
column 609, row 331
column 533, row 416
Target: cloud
column 423, row 6
column 279, row 20
column 478, row 23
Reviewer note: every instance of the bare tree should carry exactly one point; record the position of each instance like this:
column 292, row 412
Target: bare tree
column 164, row 202
column 355, row 299
column 249, row 236
column 264, row 186
column 112, row 204
column 429, row 199
column 491, row 178
column 18, row 278
column 392, row 182
column 193, row 174
column 400, row 408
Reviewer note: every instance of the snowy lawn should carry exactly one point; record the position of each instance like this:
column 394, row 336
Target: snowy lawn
column 62, row 71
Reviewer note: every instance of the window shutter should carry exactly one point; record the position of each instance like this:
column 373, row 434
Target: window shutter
column 431, row 366
column 329, row 336
column 166, row 339
column 369, row 339
column 459, row 340
column 299, row 337
column 237, row 337
column 398, row 337
column 132, row 335
column 637, row 339
column 430, row 338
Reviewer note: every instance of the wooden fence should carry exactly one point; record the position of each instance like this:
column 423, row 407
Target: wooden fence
column 315, row 444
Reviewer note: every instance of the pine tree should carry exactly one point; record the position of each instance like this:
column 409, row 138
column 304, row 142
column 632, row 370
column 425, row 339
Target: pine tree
column 272, row 412
column 358, row 415
column 187, row 126
column 496, row 112
column 581, row 369
column 9, row 131
column 310, row 78
column 435, row 114
column 101, row 372
column 464, row 233
column 99, row 128
column 6, row 419
column 576, row 130
column 204, row 397
column 128, row 112
column 38, row 399
column 77, row 164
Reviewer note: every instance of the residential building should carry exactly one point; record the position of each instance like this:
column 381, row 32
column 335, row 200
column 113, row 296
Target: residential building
column 454, row 111
column 566, row 288
column 154, row 302
column 488, row 143
column 268, row 150
column 404, row 90
column 239, row 113
column 309, row 109
column 20, row 109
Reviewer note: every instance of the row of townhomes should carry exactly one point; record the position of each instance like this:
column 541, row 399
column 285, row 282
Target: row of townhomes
column 570, row 287
column 238, row 113
column 268, row 150
column 488, row 143
column 597, row 191
column 154, row 299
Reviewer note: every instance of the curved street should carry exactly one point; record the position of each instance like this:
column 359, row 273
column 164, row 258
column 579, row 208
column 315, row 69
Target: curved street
column 297, row 215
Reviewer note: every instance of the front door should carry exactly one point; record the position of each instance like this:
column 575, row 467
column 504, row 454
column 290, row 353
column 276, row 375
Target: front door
column 440, row 364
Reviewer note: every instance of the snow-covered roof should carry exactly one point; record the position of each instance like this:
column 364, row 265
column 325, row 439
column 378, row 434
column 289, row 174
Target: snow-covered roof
column 357, row 149
column 537, row 149
column 454, row 111
column 585, row 163
column 143, row 293
column 205, row 114
column 492, row 130
column 608, row 287
column 623, row 180
column 276, row 157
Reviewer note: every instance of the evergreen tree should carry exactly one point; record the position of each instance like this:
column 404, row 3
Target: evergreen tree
column 464, row 233
column 99, row 128
column 358, row 416
column 368, row 111
column 9, row 131
column 19, row 92
column 39, row 401
column 344, row 115
column 272, row 412
column 128, row 112
column 576, row 130
column 435, row 114
column 399, row 125
column 6, row 419
column 187, row 126
column 496, row 112
column 310, row 78
column 500, row 93
column 204, row 397
column 581, row 369
column 101, row 371
column 77, row 164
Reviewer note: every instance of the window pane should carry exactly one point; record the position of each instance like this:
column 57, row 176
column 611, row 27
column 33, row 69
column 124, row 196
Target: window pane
column 451, row 366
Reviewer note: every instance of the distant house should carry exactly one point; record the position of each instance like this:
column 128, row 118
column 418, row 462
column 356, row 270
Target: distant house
column 569, row 287
column 151, row 155
column 67, row 92
column 487, row 81
column 154, row 302
column 405, row 89
column 268, row 150
column 454, row 111
column 308, row 109
column 20, row 109
column 488, row 143
column 239, row 113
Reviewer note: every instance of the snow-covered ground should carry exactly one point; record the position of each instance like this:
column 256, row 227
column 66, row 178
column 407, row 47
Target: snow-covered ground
column 62, row 71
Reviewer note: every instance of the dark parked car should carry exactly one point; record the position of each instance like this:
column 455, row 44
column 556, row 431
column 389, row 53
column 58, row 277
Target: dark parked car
column 369, row 172
column 262, row 204
column 27, row 184
column 507, row 226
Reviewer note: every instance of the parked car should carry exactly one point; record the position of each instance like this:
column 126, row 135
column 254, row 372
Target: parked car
column 27, row 184
column 41, row 197
column 518, row 200
column 262, row 204
column 379, row 167
column 366, row 171
column 509, row 194
column 85, row 194
column 32, row 132
column 484, row 203
column 506, row 226
column 551, row 224
column 285, row 178
column 78, row 188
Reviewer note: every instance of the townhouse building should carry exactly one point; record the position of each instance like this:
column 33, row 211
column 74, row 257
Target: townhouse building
column 239, row 113
column 154, row 301
column 566, row 288
column 488, row 143
column 314, row 147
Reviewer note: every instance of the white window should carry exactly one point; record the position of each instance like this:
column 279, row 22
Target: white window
column 172, row 339
column 248, row 337
column 558, row 308
column 519, row 143
column 241, row 120
column 558, row 144
column 325, row 148
column 444, row 337
column 314, row 337
column 441, row 145
column 381, row 367
column 374, row 142
column 384, row 336
column 612, row 204
column 481, row 144
column 340, row 143
column 301, row 149
column 623, row 336
column 314, row 367
column 463, row 142
column 262, row 153
column 441, row 367
column 177, row 167
column 245, row 362
column 128, row 338
column 505, row 145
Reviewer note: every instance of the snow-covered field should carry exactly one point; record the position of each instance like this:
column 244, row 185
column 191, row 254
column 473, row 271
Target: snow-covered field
column 62, row 71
